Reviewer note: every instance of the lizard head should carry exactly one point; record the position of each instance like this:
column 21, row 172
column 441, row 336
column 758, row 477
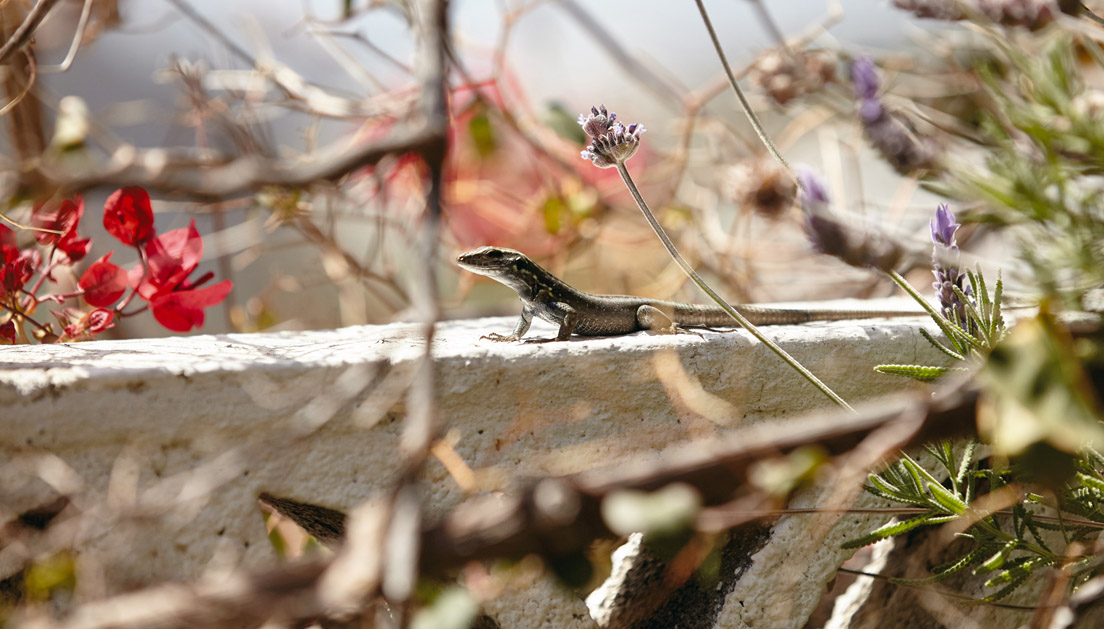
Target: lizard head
column 493, row 262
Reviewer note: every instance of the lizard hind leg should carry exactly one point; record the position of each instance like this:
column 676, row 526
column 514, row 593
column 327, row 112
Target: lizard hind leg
column 650, row 318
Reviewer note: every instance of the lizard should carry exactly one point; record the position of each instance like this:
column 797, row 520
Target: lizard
column 546, row 296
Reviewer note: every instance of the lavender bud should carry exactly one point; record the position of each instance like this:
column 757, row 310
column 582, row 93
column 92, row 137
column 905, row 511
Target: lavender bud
column 943, row 227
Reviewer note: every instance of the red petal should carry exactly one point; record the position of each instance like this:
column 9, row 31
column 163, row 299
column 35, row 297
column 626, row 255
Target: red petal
column 7, row 331
column 74, row 249
column 181, row 311
column 128, row 215
column 63, row 218
column 103, row 282
column 171, row 257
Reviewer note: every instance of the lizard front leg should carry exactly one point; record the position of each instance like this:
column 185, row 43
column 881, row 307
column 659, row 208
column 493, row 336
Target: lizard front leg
column 569, row 319
column 520, row 329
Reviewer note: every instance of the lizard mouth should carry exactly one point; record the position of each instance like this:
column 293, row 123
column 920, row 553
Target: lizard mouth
column 466, row 262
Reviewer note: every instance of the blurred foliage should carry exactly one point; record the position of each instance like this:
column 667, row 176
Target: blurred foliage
column 451, row 608
column 1040, row 181
column 1044, row 138
column 50, row 575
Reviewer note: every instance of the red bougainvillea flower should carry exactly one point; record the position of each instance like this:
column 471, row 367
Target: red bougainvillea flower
column 128, row 215
column 176, row 302
column 16, row 267
column 7, row 236
column 103, row 283
column 182, row 310
column 7, row 332
column 170, row 258
column 63, row 218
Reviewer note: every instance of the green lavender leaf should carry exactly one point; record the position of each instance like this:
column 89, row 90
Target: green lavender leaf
column 889, row 530
column 939, row 346
column 946, row 499
column 998, row 558
column 923, row 373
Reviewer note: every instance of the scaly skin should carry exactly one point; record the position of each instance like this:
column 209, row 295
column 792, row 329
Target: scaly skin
column 546, row 296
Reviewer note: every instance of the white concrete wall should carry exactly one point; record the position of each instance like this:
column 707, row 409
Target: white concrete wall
column 186, row 432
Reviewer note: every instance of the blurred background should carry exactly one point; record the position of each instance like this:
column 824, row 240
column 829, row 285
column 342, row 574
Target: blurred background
column 197, row 75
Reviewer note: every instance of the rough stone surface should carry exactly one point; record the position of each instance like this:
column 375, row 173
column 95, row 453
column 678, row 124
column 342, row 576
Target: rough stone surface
column 185, row 432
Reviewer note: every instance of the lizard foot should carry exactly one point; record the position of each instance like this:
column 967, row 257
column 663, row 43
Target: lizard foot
column 501, row 338
column 720, row 330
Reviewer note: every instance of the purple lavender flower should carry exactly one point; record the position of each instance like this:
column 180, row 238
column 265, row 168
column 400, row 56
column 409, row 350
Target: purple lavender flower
column 1031, row 14
column 840, row 238
column 613, row 142
column 937, row 9
column 598, row 122
column 865, row 78
column 889, row 131
column 943, row 228
column 945, row 257
column 815, row 195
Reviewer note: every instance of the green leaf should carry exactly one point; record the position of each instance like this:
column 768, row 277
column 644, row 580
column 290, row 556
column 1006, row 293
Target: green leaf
column 913, row 475
column 913, row 464
column 946, row 499
column 949, row 330
column 967, row 461
column 1032, row 526
column 881, row 494
column 1091, row 481
column 1008, row 589
column 998, row 558
column 939, row 346
column 888, row 530
column 887, row 488
column 922, row 373
column 942, row 572
column 1023, row 568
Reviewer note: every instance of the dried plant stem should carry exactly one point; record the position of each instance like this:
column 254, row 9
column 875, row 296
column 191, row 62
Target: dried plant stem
column 754, row 119
column 732, row 312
